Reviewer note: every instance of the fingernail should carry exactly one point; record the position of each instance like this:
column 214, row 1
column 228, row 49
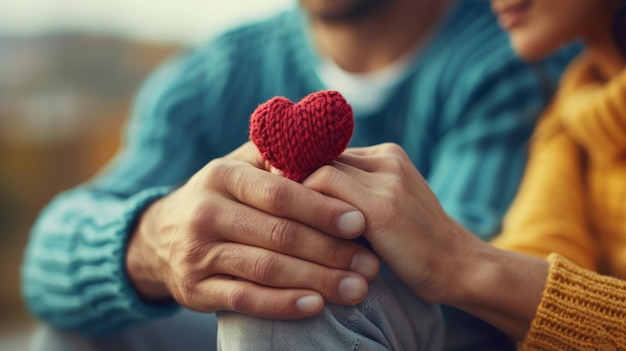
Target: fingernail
column 351, row 223
column 352, row 288
column 309, row 304
column 365, row 264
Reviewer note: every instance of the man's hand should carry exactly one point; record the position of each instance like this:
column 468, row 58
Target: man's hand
column 236, row 237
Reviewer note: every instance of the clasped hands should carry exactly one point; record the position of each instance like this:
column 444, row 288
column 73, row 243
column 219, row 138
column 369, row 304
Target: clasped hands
column 237, row 237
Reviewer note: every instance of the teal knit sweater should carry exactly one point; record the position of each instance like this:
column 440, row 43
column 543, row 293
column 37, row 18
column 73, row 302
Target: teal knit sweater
column 463, row 114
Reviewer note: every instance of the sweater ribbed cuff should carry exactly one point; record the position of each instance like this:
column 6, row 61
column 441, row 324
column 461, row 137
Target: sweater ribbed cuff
column 138, row 308
column 579, row 310
column 119, row 306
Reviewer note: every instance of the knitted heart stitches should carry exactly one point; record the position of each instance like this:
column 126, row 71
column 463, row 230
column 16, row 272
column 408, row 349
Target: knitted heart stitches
column 299, row 138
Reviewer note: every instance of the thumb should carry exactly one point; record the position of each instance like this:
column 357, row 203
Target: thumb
column 249, row 153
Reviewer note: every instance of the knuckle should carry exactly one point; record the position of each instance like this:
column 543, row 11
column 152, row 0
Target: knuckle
column 394, row 163
column 392, row 148
column 266, row 268
column 202, row 215
column 320, row 208
column 325, row 214
column 388, row 200
column 327, row 283
column 213, row 254
column 236, row 300
column 332, row 173
column 275, row 195
column 340, row 256
column 187, row 287
column 283, row 235
column 224, row 175
column 194, row 252
column 234, row 258
column 196, row 219
column 216, row 169
column 177, row 258
column 326, row 174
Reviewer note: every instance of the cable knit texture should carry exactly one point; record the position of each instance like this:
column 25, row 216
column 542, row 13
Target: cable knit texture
column 463, row 114
column 579, row 311
column 299, row 138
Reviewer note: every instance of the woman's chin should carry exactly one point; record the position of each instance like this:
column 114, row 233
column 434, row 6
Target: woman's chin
column 532, row 51
column 530, row 55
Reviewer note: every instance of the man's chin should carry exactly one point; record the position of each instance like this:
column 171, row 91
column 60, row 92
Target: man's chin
column 337, row 11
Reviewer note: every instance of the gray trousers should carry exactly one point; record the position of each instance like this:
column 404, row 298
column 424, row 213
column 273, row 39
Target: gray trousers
column 193, row 331
column 390, row 318
column 184, row 331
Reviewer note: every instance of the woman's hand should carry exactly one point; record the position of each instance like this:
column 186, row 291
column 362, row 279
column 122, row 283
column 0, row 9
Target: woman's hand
column 406, row 225
column 434, row 255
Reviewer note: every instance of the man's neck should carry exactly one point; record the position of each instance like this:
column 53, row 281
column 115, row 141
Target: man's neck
column 378, row 39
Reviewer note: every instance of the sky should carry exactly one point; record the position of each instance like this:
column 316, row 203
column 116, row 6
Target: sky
column 168, row 20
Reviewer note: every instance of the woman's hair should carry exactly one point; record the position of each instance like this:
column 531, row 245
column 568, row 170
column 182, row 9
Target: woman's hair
column 619, row 28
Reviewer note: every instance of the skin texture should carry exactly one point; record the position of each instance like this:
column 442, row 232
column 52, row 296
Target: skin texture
column 230, row 220
column 374, row 38
column 342, row 10
column 545, row 25
column 236, row 237
column 440, row 260
column 407, row 227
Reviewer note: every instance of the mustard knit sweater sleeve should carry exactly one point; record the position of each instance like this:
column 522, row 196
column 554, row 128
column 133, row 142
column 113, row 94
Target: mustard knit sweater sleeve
column 585, row 127
column 595, row 112
column 579, row 311
column 549, row 212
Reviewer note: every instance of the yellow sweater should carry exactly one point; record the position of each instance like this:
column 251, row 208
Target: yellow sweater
column 572, row 201
column 579, row 311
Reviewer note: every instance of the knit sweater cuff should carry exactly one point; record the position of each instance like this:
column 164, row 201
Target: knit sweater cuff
column 138, row 309
column 579, row 310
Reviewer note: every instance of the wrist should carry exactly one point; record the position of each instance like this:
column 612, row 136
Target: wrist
column 503, row 288
column 471, row 262
column 142, row 263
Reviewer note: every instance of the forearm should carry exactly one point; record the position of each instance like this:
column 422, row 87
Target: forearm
column 501, row 287
column 549, row 305
column 504, row 290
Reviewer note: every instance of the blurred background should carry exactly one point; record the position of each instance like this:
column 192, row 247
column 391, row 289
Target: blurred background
column 68, row 72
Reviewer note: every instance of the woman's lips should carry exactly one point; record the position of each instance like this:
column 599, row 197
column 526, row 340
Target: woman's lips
column 511, row 13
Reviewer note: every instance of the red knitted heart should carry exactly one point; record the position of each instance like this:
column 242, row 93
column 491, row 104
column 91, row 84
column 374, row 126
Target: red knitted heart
column 299, row 138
